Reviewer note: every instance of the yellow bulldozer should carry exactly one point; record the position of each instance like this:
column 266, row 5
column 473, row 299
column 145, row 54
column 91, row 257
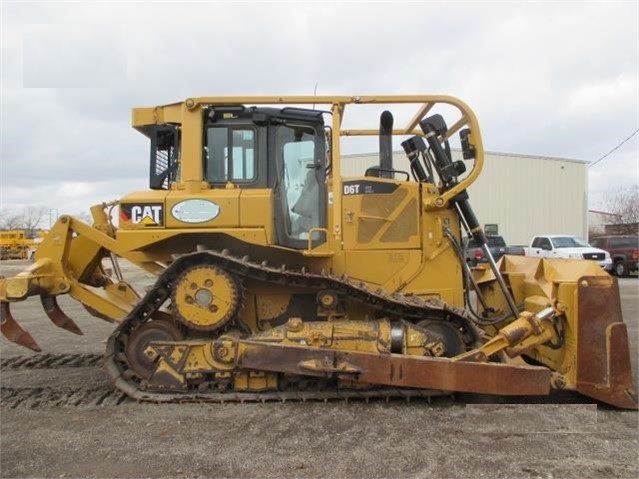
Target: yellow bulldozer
column 16, row 244
column 278, row 278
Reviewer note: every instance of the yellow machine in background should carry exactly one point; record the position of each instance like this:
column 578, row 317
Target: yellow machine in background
column 15, row 244
column 278, row 278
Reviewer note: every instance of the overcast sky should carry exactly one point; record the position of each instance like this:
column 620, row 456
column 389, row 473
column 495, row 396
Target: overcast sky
column 549, row 78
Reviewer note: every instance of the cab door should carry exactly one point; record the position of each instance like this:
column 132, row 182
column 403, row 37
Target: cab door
column 299, row 187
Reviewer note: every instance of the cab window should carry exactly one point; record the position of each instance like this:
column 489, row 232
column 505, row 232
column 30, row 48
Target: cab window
column 544, row 243
column 230, row 155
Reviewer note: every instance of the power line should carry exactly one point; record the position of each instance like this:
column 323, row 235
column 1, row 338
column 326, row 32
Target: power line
column 614, row 149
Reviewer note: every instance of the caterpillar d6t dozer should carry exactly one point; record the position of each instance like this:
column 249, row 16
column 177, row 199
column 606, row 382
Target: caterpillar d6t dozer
column 278, row 278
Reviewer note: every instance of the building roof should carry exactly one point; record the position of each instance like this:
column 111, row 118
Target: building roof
column 488, row 152
column 603, row 213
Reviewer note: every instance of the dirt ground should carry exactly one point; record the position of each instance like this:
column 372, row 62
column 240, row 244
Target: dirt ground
column 59, row 417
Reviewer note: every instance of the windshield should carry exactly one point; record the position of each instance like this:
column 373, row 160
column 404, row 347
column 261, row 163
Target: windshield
column 495, row 241
column 569, row 242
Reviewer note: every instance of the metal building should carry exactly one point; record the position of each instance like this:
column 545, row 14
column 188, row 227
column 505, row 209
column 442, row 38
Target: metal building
column 516, row 196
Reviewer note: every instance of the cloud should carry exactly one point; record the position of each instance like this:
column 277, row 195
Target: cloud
column 64, row 56
column 556, row 79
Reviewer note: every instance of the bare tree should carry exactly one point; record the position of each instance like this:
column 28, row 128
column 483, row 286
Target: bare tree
column 10, row 221
column 30, row 219
column 624, row 203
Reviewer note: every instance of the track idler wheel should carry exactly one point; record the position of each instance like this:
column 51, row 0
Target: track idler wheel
column 139, row 340
column 205, row 298
column 450, row 336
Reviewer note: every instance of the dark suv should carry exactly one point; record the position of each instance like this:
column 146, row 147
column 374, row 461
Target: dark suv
column 497, row 246
column 624, row 251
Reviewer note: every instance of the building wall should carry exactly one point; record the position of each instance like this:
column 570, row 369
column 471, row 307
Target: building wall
column 523, row 195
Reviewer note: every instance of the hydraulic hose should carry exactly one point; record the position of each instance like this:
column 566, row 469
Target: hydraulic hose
column 468, row 278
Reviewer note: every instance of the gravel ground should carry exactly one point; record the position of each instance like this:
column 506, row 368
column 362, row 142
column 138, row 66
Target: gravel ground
column 59, row 417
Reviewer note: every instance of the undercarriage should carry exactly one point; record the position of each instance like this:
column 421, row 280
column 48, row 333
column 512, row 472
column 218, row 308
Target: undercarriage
column 156, row 353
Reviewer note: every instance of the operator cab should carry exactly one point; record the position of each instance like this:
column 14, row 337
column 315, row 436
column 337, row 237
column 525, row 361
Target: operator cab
column 281, row 149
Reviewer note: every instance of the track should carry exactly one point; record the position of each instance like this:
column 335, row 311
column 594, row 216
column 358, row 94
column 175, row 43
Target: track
column 394, row 305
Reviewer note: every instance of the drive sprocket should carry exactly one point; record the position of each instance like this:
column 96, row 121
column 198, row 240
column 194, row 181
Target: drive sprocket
column 206, row 297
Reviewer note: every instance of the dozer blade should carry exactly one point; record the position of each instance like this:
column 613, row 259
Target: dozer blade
column 603, row 355
column 13, row 332
column 57, row 317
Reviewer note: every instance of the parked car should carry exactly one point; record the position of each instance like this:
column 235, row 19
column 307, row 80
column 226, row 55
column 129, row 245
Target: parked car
column 497, row 246
column 623, row 250
column 568, row 247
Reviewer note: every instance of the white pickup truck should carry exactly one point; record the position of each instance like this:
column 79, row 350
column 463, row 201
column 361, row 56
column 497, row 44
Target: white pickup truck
column 569, row 247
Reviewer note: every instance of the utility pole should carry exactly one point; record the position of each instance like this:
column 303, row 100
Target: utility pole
column 53, row 216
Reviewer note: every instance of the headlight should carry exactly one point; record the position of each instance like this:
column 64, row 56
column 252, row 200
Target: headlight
column 607, row 255
column 575, row 256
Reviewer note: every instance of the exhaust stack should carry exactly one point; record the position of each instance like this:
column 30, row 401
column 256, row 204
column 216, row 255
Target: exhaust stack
column 386, row 144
